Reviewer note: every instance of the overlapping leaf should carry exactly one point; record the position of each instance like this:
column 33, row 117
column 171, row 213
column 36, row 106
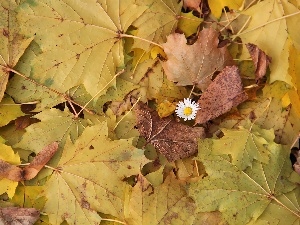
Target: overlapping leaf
column 166, row 204
column 195, row 64
column 12, row 43
column 84, row 34
column 245, row 195
column 90, row 177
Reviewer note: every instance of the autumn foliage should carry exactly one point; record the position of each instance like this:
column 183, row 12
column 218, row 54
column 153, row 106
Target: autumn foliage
column 88, row 128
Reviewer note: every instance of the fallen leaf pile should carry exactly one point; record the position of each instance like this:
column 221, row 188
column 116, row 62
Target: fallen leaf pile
column 94, row 101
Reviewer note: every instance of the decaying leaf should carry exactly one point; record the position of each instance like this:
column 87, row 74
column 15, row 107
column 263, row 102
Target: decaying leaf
column 12, row 43
column 242, row 196
column 89, row 177
column 166, row 204
column 17, row 174
column 195, row 64
column 260, row 59
column 223, row 94
column 18, row 216
column 172, row 139
column 192, row 4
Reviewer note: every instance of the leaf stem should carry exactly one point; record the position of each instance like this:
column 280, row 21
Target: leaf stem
column 112, row 220
column 84, row 107
column 136, row 37
column 281, row 204
column 272, row 21
column 50, row 89
column 127, row 112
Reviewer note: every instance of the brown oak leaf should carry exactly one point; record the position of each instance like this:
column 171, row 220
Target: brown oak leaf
column 223, row 94
column 260, row 59
column 18, row 216
column 195, row 64
column 172, row 139
column 15, row 173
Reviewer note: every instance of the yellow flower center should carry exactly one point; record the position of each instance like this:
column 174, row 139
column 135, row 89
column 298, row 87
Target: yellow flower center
column 187, row 111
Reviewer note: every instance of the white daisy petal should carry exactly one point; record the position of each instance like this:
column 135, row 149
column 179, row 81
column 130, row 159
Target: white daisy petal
column 187, row 109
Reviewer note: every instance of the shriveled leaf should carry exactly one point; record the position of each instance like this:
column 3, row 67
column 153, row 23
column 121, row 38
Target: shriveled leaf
column 242, row 196
column 172, row 139
column 82, row 45
column 217, row 6
column 195, row 64
column 165, row 204
column 40, row 161
column 224, row 93
column 275, row 41
column 12, row 43
column 159, row 20
column 89, row 178
column 192, row 4
column 260, row 59
column 9, row 111
column 245, row 145
column 18, row 216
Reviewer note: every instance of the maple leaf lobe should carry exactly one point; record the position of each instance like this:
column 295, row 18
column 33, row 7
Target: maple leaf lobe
column 172, row 139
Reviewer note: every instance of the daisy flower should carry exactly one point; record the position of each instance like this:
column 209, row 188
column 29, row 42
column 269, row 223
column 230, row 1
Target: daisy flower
column 187, row 109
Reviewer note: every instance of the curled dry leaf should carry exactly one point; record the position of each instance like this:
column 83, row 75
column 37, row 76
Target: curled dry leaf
column 223, row 94
column 172, row 139
column 192, row 4
column 195, row 64
column 18, row 216
column 260, row 59
column 15, row 173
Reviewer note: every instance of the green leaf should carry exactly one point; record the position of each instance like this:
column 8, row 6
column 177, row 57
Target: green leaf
column 82, row 44
column 244, row 195
column 89, row 178
column 244, row 145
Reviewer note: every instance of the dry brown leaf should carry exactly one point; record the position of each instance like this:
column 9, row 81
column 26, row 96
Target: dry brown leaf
column 195, row 64
column 172, row 139
column 10, row 172
column 18, row 216
column 192, row 4
column 260, row 59
column 17, row 174
column 223, row 94
column 40, row 161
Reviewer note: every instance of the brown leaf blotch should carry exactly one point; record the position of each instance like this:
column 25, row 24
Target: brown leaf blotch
column 172, row 139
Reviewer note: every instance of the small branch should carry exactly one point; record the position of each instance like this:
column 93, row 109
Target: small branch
column 151, row 42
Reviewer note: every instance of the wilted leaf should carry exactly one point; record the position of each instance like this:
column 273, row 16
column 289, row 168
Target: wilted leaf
column 166, row 204
column 12, row 43
column 172, row 139
column 242, row 196
column 89, row 178
column 82, row 45
column 195, row 64
column 260, row 59
column 158, row 21
column 192, row 4
column 18, row 216
column 217, row 6
column 224, row 93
